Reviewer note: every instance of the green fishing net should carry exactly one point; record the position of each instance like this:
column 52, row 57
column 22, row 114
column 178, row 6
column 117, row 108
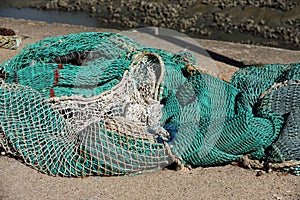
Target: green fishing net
column 99, row 103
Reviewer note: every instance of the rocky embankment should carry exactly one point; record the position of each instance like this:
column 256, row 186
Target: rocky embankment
column 268, row 22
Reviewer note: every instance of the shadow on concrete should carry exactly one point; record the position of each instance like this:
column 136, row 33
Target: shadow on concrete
column 170, row 36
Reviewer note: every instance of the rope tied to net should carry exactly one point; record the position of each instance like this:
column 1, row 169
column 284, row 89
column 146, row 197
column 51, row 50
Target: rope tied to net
column 246, row 161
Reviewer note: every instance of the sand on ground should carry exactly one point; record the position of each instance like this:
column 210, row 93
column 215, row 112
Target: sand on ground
column 224, row 182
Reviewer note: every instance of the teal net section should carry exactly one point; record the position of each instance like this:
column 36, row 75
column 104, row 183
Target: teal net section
column 286, row 146
column 93, row 63
column 211, row 129
column 102, row 104
column 275, row 88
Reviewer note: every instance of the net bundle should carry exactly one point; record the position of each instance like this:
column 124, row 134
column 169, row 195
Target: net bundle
column 99, row 103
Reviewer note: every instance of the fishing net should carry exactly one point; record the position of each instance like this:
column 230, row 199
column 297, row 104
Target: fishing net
column 102, row 104
column 287, row 144
column 276, row 88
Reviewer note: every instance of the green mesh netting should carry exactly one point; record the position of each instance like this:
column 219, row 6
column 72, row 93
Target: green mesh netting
column 286, row 146
column 102, row 104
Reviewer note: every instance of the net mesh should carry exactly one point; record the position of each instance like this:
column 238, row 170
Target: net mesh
column 102, row 104
column 286, row 146
column 78, row 136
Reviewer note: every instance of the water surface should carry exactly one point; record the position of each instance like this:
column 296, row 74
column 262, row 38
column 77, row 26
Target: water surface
column 50, row 16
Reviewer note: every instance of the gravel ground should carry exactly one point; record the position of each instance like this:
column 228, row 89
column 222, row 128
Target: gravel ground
column 226, row 182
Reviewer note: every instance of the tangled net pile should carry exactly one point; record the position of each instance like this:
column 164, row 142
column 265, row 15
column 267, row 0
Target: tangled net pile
column 99, row 103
